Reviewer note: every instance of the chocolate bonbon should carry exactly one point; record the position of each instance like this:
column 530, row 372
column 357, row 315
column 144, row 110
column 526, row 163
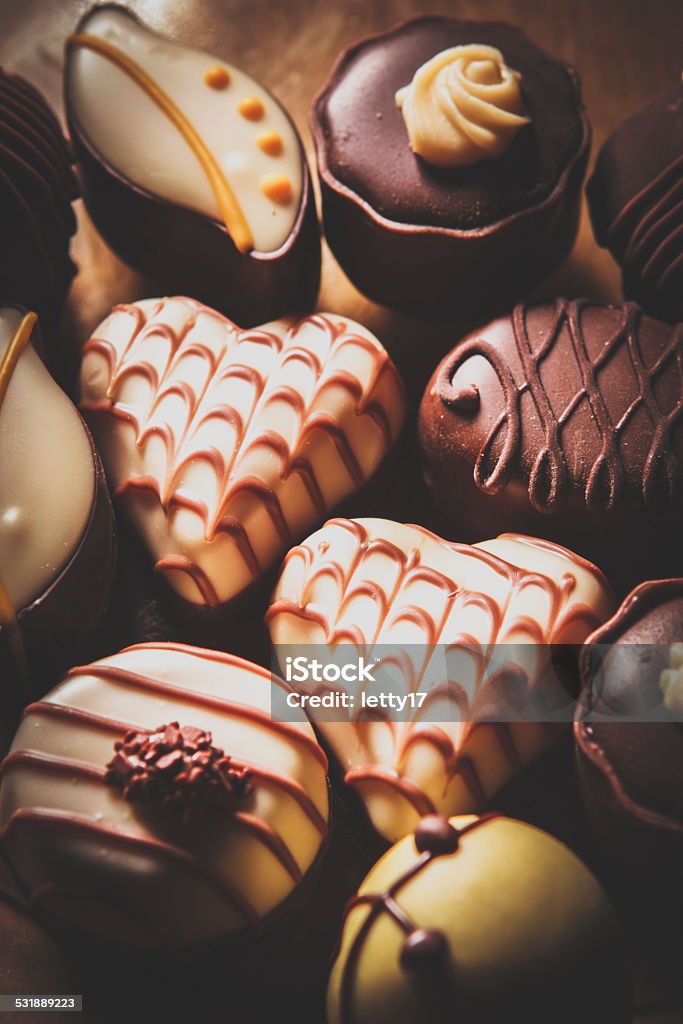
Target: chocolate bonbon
column 37, row 187
column 225, row 445
column 635, row 198
column 479, row 920
column 192, row 171
column 169, row 860
column 564, row 421
column 447, row 147
column 56, row 524
column 629, row 744
column 376, row 585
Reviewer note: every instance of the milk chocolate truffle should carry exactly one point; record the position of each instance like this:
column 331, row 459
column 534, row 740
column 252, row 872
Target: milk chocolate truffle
column 629, row 742
column 479, row 920
column 635, row 196
column 224, row 446
column 192, row 172
column 446, row 148
column 402, row 594
column 37, row 187
column 565, row 421
column 150, row 798
column 56, row 524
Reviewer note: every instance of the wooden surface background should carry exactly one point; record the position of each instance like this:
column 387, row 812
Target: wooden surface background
column 624, row 50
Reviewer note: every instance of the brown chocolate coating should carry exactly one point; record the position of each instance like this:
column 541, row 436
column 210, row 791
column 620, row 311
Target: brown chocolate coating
column 37, row 187
column 630, row 772
column 564, row 421
column 635, row 195
column 192, row 254
column 435, row 241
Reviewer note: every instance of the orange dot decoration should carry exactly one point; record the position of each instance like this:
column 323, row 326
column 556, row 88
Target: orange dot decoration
column 270, row 143
column 251, row 108
column 217, row 77
column 277, row 187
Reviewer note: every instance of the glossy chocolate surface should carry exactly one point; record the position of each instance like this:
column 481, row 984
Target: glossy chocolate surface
column 436, row 241
column 565, row 421
column 635, row 197
column 37, row 187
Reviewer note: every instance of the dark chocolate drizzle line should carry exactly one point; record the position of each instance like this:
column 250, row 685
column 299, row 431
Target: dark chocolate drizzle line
column 122, row 677
column 435, row 837
column 231, row 483
column 550, row 481
column 645, row 231
column 34, row 150
column 117, row 729
column 52, row 821
column 258, row 829
column 410, row 568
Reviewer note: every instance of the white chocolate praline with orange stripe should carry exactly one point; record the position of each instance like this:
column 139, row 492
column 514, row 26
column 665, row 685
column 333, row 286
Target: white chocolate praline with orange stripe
column 224, row 446
column 481, row 921
column 141, row 873
column 134, row 136
column 47, row 474
column 384, row 588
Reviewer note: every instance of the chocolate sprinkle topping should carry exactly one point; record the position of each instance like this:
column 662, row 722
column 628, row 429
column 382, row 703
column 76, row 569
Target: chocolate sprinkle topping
column 179, row 766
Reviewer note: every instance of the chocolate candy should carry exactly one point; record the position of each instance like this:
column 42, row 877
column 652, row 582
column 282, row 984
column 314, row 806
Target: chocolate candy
column 445, row 148
column 564, row 421
column 399, row 592
column 56, row 525
column 631, row 770
column 635, row 197
column 223, row 445
column 114, row 822
column 37, row 187
column 193, row 173
column 501, row 922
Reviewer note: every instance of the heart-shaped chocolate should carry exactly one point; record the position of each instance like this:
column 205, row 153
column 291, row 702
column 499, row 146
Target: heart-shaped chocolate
column 225, row 446
column 473, row 628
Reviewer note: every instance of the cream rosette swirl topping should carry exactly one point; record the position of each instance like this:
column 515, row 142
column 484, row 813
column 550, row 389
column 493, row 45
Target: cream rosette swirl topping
column 462, row 106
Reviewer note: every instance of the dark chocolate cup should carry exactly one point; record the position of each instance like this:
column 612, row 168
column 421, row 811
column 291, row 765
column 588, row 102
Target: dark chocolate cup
column 191, row 254
column 56, row 627
column 441, row 271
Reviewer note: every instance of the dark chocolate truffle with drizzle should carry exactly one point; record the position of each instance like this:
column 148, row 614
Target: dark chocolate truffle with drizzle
column 37, row 187
column 564, row 421
column 479, row 920
column 635, row 196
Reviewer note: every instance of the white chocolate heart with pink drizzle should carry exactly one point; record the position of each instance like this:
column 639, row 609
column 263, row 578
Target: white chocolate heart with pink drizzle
column 378, row 586
column 226, row 445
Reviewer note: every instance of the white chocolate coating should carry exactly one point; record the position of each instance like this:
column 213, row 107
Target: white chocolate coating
column 136, row 138
column 137, row 872
column 518, row 912
column 47, row 475
column 371, row 582
column 225, row 445
column 462, row 106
